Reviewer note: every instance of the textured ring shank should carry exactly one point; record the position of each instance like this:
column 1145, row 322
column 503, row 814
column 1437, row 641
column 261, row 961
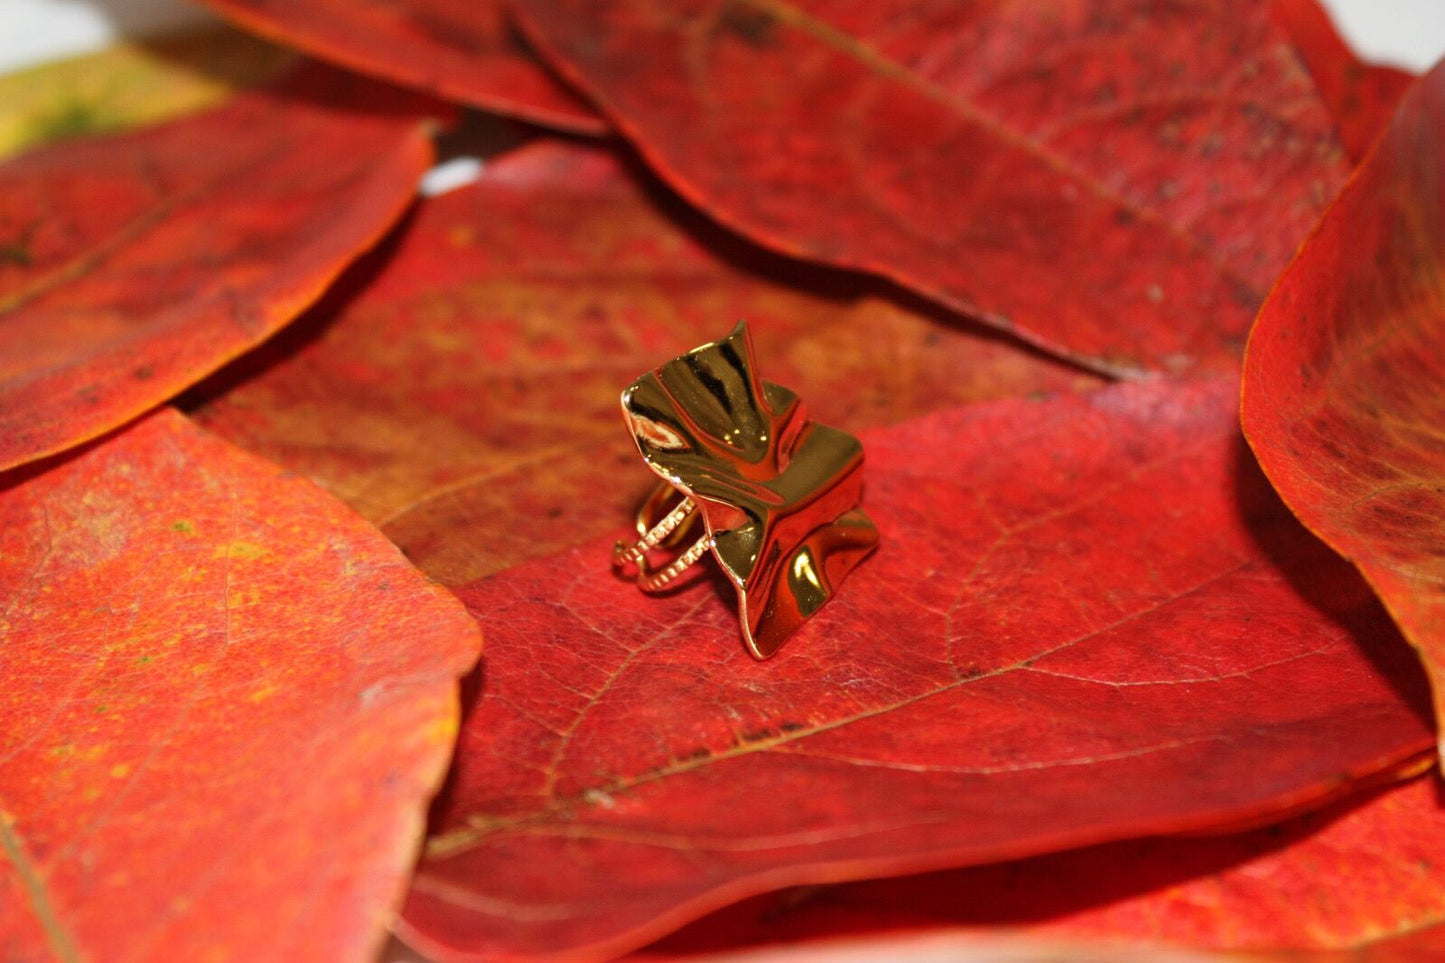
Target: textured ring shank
column 636, row 553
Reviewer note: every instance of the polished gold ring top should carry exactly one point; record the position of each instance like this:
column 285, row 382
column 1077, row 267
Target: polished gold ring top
column 779, row 496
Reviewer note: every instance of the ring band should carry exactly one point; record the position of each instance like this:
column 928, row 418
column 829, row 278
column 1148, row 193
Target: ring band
column 636, row 553
column 677, row 521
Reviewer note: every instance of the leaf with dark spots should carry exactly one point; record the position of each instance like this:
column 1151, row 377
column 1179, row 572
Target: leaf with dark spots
column 227, row 700
column 1282, row 887
column 1342, row 383
column 1361, row 96
column 463, row 50
column 1088, row 619
column 178, row 247
column 1117, row 182
column 466, row 399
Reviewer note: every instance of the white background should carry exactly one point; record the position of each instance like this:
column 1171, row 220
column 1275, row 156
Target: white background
column 1408, row 33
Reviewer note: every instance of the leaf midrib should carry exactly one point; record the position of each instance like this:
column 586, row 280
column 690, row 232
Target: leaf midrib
column 56, row 933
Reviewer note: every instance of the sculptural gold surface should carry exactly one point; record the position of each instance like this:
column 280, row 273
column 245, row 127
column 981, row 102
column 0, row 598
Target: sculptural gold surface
column 778, row 495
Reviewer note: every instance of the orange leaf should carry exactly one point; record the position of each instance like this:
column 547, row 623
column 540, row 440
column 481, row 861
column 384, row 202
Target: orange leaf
column 227, row 699
column 1342, row 391
column 132, row 266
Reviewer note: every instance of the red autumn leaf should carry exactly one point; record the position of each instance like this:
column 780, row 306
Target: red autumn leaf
column 133, row 266
column 464, row 50
column 467, row 399
column 1088, row 619
column 227, row 699
column 1337, row 879
column 1361, row 96
column 1342, row 399
column 1118, row 182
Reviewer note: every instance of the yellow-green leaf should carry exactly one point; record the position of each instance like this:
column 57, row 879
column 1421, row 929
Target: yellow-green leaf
column 131, row 85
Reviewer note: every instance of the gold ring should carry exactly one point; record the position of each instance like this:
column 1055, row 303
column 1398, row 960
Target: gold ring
column 779, row 496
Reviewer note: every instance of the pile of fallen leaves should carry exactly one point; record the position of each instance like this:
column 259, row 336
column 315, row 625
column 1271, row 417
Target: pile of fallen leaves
column 283, row 443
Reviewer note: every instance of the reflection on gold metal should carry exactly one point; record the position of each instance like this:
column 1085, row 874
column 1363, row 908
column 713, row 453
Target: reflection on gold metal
column 778, row 495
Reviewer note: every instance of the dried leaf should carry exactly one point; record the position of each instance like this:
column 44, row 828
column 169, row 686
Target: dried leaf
column 1361, row 96
column 1117, row 182
column 131, row 85
column 133, row 266
column 1337, row 879
column 466, row 400
column 1342, row 399
column 1088, row 619
column 463, row 50
column 227, row 700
